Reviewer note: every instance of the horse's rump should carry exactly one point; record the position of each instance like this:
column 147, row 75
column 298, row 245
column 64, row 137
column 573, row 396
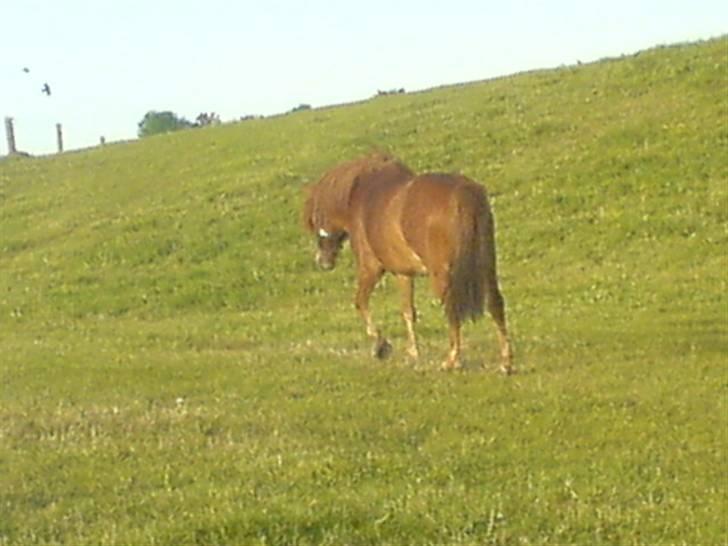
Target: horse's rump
column 447, row 221
column 434, row 223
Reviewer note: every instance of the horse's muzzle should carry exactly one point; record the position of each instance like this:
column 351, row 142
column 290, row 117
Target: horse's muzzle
column 324, row 264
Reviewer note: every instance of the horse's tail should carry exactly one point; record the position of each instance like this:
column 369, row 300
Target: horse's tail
column 472, row 269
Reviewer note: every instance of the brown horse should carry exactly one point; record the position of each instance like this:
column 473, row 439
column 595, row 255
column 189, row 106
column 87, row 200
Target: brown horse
column 410, row 225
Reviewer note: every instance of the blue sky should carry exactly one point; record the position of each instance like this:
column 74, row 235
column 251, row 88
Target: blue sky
column 108, row 62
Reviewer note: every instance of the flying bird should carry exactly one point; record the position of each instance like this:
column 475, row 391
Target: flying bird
column 26, row 70
column 46, row 89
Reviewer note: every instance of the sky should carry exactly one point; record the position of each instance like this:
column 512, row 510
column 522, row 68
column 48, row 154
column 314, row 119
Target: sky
column 109, row 62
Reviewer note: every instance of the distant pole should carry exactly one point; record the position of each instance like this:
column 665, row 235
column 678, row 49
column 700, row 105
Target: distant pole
column 59, row 137
column 10, row 133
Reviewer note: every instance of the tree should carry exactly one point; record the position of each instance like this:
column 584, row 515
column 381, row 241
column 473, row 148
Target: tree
column 206, row 119
column 155, row 123
column 301, row 108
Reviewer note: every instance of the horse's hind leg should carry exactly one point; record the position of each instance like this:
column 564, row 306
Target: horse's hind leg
column 409, row 314
column 496, row 308
column 453, row 357
column 440, row 282
column 367, row 281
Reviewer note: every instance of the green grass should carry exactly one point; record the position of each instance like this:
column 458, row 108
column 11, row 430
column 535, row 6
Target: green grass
column 175, row 371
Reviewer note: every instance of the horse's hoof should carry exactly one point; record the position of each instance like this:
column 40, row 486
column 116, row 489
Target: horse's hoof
column 508, row 370
column 382, row 349
column 450, row 366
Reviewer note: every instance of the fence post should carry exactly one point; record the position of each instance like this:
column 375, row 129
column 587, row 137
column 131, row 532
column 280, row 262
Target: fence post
column 59, row 137
column 10, row 133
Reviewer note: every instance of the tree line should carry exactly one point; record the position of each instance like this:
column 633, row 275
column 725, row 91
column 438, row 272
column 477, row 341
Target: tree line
column 154, row 123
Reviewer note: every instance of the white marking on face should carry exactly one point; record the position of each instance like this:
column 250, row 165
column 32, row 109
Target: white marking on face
column 323, row 233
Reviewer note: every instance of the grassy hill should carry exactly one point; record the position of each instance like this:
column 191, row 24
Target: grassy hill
column 175, row 371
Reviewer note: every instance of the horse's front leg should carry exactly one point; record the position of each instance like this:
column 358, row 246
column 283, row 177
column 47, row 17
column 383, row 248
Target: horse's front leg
column 409, row 314
column 368, row 279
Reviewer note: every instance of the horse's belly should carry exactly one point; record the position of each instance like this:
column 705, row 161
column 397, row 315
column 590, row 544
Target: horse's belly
column 403, row 261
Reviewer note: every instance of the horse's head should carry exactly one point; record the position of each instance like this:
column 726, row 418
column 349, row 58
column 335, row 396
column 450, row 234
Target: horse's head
column 330, row 237
column 329, row 246
column 326, row 211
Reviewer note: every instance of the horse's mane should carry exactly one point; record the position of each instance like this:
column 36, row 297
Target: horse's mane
column 329, row 197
